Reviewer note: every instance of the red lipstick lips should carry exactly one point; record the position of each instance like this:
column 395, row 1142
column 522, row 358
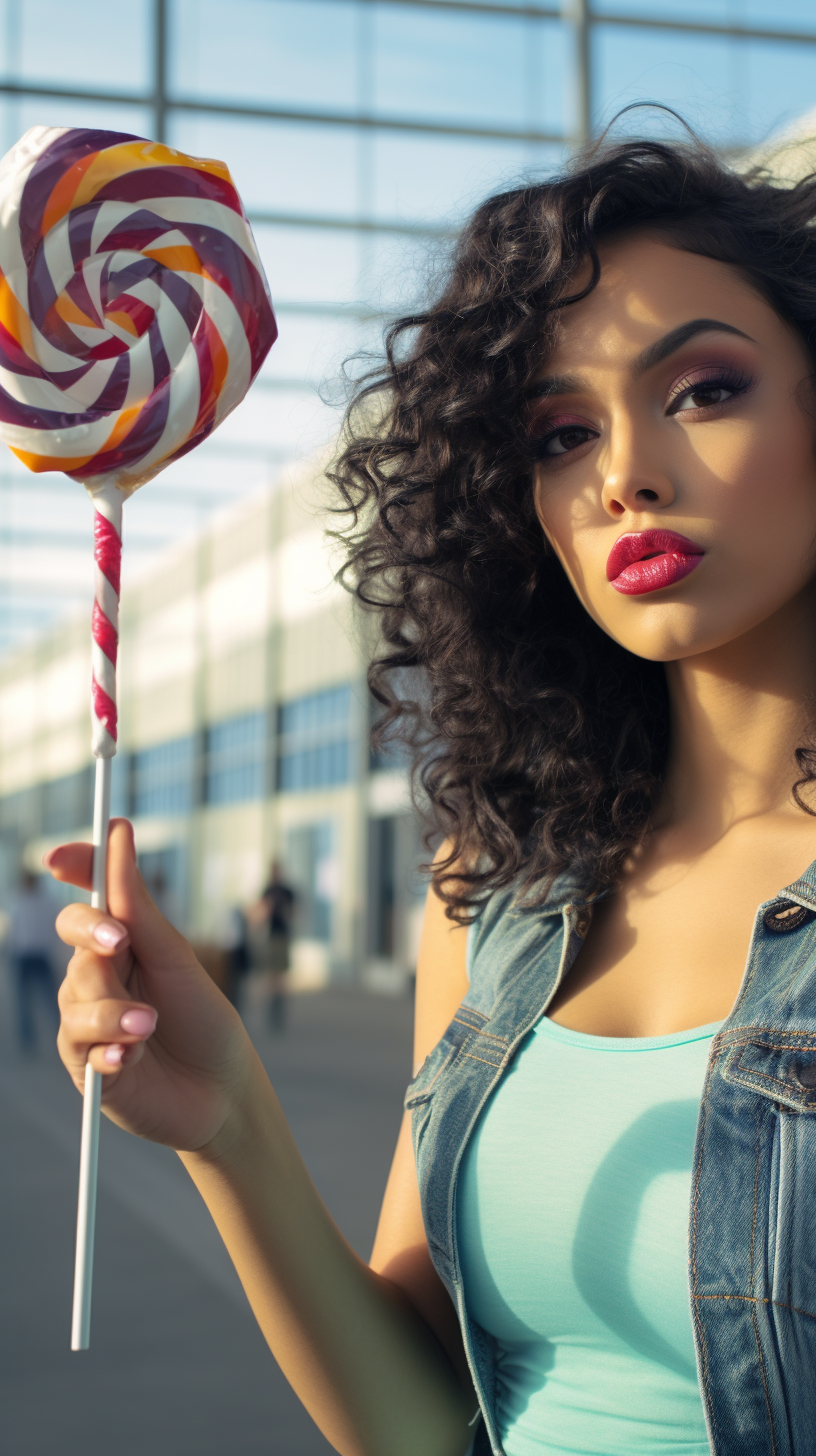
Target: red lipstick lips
column 646, row 561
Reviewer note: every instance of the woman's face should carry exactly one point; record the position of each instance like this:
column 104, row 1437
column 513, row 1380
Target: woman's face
column 675, row 403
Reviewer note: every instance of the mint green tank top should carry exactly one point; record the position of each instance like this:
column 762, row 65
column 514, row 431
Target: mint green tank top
column 573, row 1233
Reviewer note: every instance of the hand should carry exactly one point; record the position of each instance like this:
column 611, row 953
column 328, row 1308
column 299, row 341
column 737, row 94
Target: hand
column 136, row 1003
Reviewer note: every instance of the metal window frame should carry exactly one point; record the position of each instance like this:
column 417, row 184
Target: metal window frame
column 577, row 13
column 157, row 97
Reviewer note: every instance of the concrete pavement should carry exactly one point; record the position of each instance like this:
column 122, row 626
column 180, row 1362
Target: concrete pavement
column 177, row 1366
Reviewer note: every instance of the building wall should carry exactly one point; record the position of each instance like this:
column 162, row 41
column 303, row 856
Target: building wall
column 244, row 718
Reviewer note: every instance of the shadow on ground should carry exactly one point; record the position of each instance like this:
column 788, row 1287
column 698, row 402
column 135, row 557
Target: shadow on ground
column 177, row 1366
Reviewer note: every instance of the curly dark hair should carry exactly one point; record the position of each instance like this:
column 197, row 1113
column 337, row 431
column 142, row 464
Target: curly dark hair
column 539, row 744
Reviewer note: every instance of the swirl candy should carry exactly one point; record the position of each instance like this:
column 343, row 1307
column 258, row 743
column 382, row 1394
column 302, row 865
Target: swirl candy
column 134, row 312
column 134, row 315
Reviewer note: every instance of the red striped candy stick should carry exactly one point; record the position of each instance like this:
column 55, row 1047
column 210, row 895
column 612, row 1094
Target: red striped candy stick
column 107, row 501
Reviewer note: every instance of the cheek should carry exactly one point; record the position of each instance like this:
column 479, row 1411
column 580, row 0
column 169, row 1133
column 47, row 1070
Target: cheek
column 760, row 484
column 570, row 516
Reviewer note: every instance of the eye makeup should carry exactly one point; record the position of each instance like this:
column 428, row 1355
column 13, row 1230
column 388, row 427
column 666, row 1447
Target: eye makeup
column 549, row 430
column 709, row 378
column 558, row 434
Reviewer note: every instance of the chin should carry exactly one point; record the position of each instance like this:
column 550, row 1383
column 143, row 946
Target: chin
column 670, row 641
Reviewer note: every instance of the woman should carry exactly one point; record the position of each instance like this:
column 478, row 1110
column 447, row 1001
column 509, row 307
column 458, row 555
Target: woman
column 588, row 520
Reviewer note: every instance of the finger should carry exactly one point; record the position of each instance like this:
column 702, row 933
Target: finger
column 153, row 939
column 86, row 1023
column 72, row 864
column 110, row 1060
column 95, row 1015
column 88, row 929
column 92, row 977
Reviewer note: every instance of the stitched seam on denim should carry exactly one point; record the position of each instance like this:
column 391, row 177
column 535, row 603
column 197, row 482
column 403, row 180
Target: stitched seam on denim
column 478, row 1020
column 479, row 1032
column 781, row 1047
column 777, row 1081
column 704, row 1370
column 481, row 1059
column 788, row 1031
column 448, row 1062
column 758, row 1299
column 764, row 1382
column 756, row 1187
column 766, row 1076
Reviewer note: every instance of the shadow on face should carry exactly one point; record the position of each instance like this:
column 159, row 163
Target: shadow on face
column 676, row 471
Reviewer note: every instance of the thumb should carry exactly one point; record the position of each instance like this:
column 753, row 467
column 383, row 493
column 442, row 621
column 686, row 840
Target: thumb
column 152, row 937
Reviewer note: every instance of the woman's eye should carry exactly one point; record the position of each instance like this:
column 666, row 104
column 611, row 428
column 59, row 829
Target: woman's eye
column 703, row 395
column 561, row 442
column 707, row 393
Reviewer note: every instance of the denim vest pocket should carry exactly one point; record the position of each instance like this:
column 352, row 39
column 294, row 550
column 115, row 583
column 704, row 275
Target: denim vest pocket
column 779, row 1065
column 771, row 1065
column 441, row 1057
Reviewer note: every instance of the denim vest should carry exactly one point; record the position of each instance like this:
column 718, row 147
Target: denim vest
column 752, row 1214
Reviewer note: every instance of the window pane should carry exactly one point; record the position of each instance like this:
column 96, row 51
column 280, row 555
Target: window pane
column 18, row 114
column 775, row 85
column 310, row 864
column 764, row 14
column 487, row 70
column 21, row 813
column 310, row 348
column 314, row 749
column 164, row 778
column 310, row 264
column 284, row 167
column 733, row 92
column 121, row 775
column 236, row 759
column 268, row 52
column 284, row 421
column 441, row 179
column 399, row 269
column 90, row 44
column 67, row 802
column 550, row 52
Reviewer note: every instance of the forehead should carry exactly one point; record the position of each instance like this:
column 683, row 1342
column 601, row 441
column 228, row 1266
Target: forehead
column 646, row 288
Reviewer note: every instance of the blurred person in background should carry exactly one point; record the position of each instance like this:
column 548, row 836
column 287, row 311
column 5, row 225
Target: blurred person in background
column 274, row 911
column 31, row 943
column 235, row 944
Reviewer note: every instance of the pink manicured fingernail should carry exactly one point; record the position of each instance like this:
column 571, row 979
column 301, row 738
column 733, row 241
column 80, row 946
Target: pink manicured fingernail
column 113, row 1055
column 47, row 857
column 138, row 1023
column 110, row 936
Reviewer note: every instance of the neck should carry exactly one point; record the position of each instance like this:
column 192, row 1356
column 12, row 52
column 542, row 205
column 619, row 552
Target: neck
column 739, row 712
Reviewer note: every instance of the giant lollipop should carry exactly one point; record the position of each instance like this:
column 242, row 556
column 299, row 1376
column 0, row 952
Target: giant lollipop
column 134, row 315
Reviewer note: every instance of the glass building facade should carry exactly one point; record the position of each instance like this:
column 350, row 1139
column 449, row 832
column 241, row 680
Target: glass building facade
column 359, row 133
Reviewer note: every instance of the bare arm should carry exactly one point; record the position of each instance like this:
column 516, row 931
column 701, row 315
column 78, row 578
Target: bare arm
column 372, row 1352
column 400, row 1247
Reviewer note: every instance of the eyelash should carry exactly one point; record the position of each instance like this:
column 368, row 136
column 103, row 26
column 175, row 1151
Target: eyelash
column 731, row 379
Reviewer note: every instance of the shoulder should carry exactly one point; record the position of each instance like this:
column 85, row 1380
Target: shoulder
column 442, row 977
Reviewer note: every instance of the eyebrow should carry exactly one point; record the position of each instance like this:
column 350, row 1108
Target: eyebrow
column 651, row 356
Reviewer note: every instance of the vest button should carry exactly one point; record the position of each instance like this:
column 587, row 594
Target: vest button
column 806, row 1075
column 785, row 915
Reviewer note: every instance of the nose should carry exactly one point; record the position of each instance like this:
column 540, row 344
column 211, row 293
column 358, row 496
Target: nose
column 633, row 480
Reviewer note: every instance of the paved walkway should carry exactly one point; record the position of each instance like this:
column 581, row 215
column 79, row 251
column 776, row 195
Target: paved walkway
column 177, row 1366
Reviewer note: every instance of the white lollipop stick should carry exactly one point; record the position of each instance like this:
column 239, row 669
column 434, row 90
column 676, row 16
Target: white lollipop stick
column 107, row 558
